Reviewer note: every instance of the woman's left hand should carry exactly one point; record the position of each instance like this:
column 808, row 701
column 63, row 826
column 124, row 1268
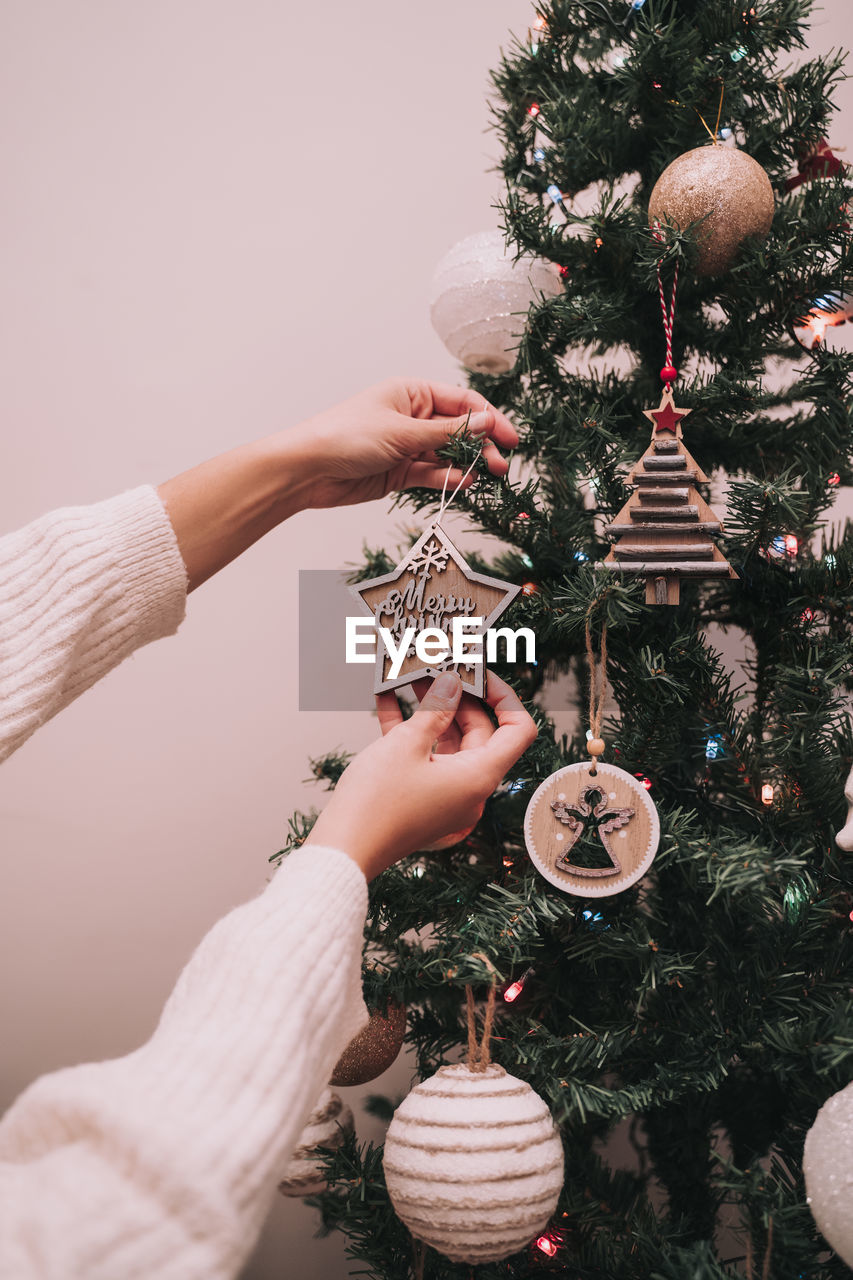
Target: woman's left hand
column 386, row 438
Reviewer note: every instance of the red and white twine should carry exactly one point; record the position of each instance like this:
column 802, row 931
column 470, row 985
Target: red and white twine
column 668, row 313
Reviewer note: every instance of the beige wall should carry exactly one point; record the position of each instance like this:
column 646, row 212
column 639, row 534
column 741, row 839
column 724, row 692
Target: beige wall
column 217, row 218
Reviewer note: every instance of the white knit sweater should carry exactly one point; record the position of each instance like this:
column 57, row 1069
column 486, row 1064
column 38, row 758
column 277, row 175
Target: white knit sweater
column 163, row 1164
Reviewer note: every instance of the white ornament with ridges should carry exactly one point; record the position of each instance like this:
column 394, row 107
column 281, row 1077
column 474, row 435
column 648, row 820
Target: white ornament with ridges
column 328, row 1124
column 844, row 839
column 828, row 1171
column 480, row 299
column 474, row 1163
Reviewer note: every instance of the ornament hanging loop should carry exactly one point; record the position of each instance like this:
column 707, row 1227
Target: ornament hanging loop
column 445, row 501
column 669, row 372
column 597, row 691
column 479, row 1056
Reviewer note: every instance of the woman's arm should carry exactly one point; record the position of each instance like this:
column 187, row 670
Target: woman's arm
column 164, row 1163
column 80, row 589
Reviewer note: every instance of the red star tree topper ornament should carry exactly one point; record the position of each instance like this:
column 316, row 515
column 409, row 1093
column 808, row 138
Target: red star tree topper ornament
column 665, row 528
column 432, row 585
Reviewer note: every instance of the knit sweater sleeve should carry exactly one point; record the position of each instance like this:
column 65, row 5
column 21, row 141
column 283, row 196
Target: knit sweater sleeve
column 164, row 1163
column 80, row 589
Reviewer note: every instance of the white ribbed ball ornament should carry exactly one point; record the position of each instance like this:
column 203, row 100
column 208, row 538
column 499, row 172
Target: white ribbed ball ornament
column 473, row 1163
column 328, row 1125
column 828, row 1171
column 480, row 298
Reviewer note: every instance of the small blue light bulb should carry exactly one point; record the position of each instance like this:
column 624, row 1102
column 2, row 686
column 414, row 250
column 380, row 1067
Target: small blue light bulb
column 555, row 193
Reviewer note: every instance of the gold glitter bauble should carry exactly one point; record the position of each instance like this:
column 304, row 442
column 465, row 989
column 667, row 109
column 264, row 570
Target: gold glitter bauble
column 373, row 1049
column 727, row 185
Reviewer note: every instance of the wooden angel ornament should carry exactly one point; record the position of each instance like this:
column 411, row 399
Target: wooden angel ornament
column 666, row 527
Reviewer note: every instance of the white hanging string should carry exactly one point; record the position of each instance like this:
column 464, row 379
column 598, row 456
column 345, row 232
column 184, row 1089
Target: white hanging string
column 445, row 504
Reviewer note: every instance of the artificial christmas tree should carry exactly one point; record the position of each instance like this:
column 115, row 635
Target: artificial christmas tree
column 686, row 1031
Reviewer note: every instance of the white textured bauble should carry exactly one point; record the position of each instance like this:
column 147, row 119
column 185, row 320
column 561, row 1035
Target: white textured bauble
column 828, row 1171
column 480, row 298
column 473, row 1163
column 328, row 1125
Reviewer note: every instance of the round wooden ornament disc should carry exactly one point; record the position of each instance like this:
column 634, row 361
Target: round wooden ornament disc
column 574, row 801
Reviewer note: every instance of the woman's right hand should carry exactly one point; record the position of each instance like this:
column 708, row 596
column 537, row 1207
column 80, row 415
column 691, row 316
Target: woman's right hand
column 427, row 778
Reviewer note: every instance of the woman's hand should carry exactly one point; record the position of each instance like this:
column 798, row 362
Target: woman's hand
column 426, row 780
column 386, row 438
column 383, row 439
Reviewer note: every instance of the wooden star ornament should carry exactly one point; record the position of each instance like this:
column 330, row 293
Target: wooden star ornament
column 432, row 585
column 666, row 416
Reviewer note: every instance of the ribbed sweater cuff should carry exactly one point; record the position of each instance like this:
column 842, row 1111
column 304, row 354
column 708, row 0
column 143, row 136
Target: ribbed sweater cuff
column 80, row 589
column 148, row 559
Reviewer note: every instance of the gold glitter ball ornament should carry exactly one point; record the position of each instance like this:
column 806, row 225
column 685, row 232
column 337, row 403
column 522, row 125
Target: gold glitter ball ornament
column 374, row 1048
column 725, row 187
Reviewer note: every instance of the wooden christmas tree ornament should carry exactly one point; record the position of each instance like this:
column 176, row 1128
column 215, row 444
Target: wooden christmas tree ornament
column 430, row 587
column 666, row 527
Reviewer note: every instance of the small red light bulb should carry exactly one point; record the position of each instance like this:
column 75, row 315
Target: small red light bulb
column 513, row 991
column 529, row 588
column 834, row 480
column 534, row 109
column 792, row 546
column 647, row 782
column 547, row 1246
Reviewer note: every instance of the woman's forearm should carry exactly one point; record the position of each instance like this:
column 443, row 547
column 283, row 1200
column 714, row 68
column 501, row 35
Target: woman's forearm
column 222, row 506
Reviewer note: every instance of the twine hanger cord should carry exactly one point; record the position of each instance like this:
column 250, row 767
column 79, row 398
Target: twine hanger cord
column 479, row 1056
column 597, row 690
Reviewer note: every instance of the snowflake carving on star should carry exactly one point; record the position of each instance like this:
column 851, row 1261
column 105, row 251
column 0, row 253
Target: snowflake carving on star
column 432, row 556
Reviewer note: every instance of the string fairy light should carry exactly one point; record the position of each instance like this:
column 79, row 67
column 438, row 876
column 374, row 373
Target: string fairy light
column 514, row 990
